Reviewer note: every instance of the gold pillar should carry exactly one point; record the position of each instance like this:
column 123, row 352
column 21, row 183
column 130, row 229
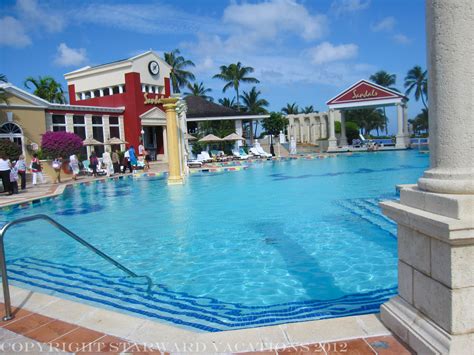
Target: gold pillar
column 174, row 167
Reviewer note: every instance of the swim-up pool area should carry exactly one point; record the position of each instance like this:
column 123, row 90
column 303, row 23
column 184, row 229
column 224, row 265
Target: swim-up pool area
column 282, row 241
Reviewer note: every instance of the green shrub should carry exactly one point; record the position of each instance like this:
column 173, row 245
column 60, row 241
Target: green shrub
column 10, row 149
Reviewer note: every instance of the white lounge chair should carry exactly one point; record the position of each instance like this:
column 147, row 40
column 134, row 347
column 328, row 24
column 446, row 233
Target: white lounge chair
column 240, row 154
column 254, row 152
column 262, row 152
column 205, row 156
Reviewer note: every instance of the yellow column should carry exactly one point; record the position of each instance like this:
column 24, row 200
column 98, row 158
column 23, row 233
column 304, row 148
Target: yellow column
column 174, row 175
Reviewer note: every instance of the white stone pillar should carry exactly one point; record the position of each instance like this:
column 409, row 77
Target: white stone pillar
column 400, row 138
column 433, row 310
column 101, row 92
column 165, row 145
column 343, row 141
column 290, row 127
column 332, row 141
column 69, row 122
column 92, row 94
column 83, row 95
column 111, row 91
column 120, row 89
column 405, row 125
column 239, row 131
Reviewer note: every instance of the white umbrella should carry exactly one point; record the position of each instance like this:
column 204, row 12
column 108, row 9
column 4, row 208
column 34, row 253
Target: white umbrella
column 115, row 141
column 189, row 137
column 233, row 137
column 91, row 141
column 210, row 138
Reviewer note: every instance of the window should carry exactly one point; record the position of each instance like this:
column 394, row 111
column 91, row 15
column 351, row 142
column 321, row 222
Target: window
column 76, row 119
column 98, row 134
column 96, row 93
column 59, row 123
column 114, row 129
column 97, row 120
column 80, row 129
column 113, row 120
column 115, row 90
column 10, row 131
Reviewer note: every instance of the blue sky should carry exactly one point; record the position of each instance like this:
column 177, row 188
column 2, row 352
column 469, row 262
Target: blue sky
column 302, row 51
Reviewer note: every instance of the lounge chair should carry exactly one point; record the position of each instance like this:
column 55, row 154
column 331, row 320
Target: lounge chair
column 205, row 157
column 262, row 152
column 194, row 161
column 240, row 154
column 254, row 152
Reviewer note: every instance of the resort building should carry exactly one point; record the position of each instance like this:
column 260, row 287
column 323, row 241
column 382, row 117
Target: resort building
column 308, row 128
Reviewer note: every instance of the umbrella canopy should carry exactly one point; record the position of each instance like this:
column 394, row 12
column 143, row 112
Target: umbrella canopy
column 233, row 137
column 210, row 138
column 189, row 137
column 91, row 141
column 115, row 141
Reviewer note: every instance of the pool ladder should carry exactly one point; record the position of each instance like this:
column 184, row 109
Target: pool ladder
column 3, row 264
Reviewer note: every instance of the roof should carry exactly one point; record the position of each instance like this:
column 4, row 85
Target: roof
column 200, row 107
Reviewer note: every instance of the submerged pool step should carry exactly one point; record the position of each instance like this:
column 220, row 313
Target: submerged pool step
column 204, row 313
column 369, row 210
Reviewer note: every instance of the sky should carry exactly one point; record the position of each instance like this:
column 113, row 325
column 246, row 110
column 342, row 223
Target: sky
column 304, row 51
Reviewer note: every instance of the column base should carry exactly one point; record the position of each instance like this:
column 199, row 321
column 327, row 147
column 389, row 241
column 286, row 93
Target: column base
column 332, row 144
column 419, row 332
column 400, row 142
column 175, row 180
column 343, row 142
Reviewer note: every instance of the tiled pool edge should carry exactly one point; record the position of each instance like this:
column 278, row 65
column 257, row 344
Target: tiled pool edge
column 141, row 331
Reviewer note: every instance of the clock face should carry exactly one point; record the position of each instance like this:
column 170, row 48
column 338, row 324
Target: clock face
column 154, row 68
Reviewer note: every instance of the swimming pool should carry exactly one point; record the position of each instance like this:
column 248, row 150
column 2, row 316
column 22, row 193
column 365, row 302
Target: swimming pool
column 280, row 242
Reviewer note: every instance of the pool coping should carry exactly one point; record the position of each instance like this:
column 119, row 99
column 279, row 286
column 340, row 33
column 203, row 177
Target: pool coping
column 145, row 331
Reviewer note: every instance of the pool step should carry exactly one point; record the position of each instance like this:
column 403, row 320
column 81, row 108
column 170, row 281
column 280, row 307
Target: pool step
column 160, row 303
column 369, row 210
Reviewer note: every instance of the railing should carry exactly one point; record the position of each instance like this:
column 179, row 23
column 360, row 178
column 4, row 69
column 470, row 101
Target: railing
column 3, row 265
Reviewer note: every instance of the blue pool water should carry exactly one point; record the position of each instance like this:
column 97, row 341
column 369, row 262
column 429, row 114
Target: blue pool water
column 278, row 242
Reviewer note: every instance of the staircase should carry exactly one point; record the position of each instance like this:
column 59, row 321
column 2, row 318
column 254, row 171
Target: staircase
column 368, row 209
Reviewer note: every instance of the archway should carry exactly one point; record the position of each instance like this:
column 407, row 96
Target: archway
column 365, row 94
column 12, row 132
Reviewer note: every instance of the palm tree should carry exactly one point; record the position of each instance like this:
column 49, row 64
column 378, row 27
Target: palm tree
column 179, row 76
column 417, row 79
column 385, row 79
column 309, row 109
column 228, row 103
column 198, row 90
column 233, row 75
column 291, row 109
column 47, row 88
column 252, row 102
column 3, row 93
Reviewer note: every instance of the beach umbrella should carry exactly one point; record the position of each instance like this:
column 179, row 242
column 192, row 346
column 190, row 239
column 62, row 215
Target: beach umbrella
column 91, row 141
column 189, row 137
column 233, row 137
column 115, row 141
column 210, row 138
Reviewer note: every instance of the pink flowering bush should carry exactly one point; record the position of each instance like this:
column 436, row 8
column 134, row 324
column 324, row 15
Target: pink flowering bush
column 60, row 144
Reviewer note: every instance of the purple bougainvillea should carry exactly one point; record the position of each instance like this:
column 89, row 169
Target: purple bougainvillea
column 60, row 144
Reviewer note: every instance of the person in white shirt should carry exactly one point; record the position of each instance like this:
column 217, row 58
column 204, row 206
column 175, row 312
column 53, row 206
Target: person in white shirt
column 107, row 160
column 5, row 167
column 141, row 149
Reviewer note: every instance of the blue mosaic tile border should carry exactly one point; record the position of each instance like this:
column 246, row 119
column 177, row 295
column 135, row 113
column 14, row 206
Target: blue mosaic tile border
column 161, row 303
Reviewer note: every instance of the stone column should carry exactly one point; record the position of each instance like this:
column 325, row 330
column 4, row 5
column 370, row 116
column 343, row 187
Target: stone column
column 239, row 131
column 433, row 310
column 400, row 138
column 290, row 127
column 332, row 141
column 165, row 145
column 405, row 125
column 343, row 141
column 174, row 166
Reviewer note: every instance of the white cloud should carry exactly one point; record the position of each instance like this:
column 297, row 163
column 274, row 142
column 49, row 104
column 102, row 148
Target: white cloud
column 66, row 56
column 268, row 19
column 43, row 16
column 401, row 39
column 385, row 24
column 13, row 33
column 345, row 6
column 327, row 52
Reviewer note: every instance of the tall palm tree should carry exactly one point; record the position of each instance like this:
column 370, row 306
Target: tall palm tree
column 228, row 103
column 47, row 88
column 233, row 75
column 252, row 102
column 417, row 79
column 179, row 76
column 198, row 90
column 387, row 80
column 3, row 93
column 291, row 109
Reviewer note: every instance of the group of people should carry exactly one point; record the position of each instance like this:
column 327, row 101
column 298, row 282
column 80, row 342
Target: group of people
column 11, row 172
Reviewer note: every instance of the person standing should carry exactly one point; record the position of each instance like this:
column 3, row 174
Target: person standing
column 93, row 162
column 5, row 167
column 133, row 156
column 107, row 160
column 74, row 165
column 13, row 180
column 147, row 159
column 57, row 163
column 21, row 168
column 116, row 161
column 126, row 162
column 141, row 149
column 36, row 169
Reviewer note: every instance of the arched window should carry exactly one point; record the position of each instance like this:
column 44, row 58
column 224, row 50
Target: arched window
column 12, row 132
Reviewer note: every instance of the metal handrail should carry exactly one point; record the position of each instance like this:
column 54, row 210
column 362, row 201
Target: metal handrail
column 3, row 264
